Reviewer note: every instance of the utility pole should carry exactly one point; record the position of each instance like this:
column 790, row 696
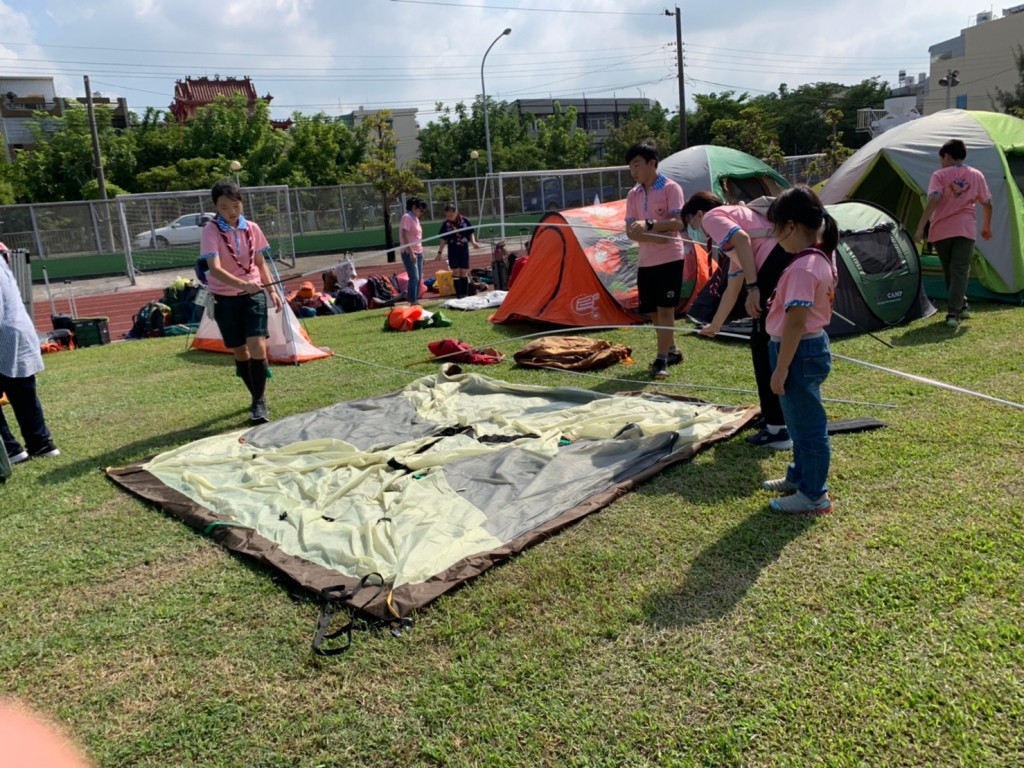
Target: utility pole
column 96, row 157
column 679, row 72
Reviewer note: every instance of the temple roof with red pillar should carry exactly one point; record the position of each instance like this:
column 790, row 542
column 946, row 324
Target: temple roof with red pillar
column 191, row 94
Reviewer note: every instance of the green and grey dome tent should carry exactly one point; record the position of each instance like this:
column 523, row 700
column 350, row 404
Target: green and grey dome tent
column 893, row 169
column 880, row 279
column 734, row 176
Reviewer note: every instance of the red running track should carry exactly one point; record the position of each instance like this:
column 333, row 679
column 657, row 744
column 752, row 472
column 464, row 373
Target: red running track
column 119, row 308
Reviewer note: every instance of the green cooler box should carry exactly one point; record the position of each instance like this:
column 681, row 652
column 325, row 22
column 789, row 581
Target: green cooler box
column 90, row 331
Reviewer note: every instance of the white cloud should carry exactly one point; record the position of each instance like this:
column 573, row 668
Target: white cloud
column 335, row 55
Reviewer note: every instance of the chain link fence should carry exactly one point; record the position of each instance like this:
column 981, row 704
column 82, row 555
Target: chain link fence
column 323, row 219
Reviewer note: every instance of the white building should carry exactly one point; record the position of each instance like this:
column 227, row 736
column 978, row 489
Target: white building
column 402, row 122
column 974, row 64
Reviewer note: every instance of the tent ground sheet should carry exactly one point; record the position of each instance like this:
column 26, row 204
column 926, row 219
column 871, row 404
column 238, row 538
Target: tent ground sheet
column 419, row 490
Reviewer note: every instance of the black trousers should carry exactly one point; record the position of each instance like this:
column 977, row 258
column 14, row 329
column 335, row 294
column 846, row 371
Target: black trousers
column 28, row 412
column 767, row 278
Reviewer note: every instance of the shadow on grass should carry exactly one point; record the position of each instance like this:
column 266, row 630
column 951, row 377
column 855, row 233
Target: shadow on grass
column 147, row 447
column 932, row 333
column 723, row 573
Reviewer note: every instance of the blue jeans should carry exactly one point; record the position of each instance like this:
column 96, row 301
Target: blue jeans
column 414, row 269
column 28, row 412
column 805, row 414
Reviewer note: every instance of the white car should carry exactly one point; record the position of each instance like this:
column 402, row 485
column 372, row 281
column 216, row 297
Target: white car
column 184, row 230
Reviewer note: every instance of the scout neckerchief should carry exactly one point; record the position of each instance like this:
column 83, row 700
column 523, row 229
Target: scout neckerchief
column 223, row 228
column 461, row 222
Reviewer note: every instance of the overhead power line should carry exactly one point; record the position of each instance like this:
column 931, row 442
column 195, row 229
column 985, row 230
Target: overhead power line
column 573, row 11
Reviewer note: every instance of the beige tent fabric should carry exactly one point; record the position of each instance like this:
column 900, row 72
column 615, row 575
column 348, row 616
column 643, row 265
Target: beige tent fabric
column 330, row 503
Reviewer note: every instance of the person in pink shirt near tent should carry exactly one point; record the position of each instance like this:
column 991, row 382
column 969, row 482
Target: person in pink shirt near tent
column 410, row 237
column 798, row 349
column 654, row 222
column 954, row 192
column 234, row 248
column 756, row 260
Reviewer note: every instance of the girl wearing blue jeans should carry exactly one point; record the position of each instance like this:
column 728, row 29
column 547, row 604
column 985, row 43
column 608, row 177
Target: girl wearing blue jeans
column 798, row 349
column 410, row 236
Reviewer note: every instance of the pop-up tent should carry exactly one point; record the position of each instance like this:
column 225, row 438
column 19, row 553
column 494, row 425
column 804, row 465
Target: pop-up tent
column 582, row 271
column 892, row 170
column 879, row 269
column 734, row 176
column 404, row 496
column 288, row 342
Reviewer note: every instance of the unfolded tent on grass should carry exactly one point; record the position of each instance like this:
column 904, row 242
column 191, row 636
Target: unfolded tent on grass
column 416, row 491
column 734, row 176
column 893, row 169
column 288, row 342
column 582, row 271
column 880, row 278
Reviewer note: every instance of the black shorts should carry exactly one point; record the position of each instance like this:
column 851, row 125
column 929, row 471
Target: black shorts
column 659, row 286
column 458, row 258
column 241, row 317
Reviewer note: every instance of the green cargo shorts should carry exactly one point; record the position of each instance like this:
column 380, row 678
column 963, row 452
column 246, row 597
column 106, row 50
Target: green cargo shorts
column 241, row 317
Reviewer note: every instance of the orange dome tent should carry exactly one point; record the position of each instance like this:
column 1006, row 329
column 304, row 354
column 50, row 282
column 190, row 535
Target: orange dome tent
column 582, row 271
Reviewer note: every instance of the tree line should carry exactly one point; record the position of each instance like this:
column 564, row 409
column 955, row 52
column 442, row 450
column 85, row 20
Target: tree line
column 157, row 154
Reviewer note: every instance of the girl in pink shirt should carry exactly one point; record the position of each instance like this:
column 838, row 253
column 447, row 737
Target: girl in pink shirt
column 752, row 257
column 410, row 236
column 798, row 349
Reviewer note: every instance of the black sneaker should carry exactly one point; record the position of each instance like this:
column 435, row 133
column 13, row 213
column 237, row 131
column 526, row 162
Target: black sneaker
column 47, row 449
column 779, row 441
column 259, row 413
column 17, row 458
column 675, row 357
column 659, row 369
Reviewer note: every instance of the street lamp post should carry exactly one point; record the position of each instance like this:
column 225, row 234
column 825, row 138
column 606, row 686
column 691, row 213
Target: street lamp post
column 483, row 95
column 949, row 81
column 475, row 157
column 235, row 168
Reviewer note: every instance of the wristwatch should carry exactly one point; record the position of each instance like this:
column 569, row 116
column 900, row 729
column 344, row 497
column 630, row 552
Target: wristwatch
column 650, row 224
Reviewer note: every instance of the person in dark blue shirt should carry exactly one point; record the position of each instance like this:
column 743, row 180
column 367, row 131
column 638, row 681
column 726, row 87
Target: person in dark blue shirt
column 458, row 233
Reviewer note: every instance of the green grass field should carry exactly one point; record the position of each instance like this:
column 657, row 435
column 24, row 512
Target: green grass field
column 684, row 625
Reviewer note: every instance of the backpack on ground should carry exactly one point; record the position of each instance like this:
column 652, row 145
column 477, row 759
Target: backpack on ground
column 349, row 299
column 150, row 321
column 382, row 292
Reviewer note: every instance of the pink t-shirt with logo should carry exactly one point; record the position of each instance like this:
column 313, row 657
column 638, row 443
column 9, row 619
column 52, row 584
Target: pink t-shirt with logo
column 231, row 244
column 959, row 188
column 809, row 281
column 723, row 222
column 662, row 201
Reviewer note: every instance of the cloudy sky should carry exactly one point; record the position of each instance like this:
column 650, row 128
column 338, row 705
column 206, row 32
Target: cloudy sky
column 336, row 55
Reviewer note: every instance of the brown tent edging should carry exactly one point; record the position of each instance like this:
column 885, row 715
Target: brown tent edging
column 372, row 600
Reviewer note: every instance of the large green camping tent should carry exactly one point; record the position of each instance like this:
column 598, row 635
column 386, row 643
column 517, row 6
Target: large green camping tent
column 893, row 169
column 734, row 176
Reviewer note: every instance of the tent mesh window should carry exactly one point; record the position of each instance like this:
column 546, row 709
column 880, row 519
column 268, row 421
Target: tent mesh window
column 873, row 252
column 1016, row 162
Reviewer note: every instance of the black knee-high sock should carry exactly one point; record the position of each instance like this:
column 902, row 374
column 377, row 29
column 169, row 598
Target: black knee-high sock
column 461, row 287
column 258, row 377
column 242, row 371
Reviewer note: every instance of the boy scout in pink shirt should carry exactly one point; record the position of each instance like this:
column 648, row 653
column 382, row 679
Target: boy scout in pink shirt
column 953, row 193
column 654, row 222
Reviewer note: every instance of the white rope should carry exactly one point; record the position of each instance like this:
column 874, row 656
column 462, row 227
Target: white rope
column 930, row 382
